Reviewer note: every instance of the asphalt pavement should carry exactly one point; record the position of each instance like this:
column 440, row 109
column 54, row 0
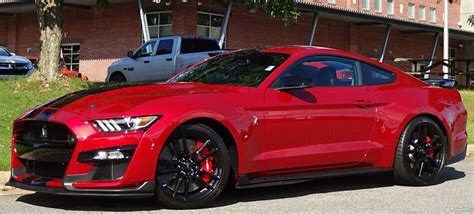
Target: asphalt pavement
column 373, row 193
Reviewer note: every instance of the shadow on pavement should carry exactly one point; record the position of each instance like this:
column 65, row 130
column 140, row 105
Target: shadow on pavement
column 230, row 196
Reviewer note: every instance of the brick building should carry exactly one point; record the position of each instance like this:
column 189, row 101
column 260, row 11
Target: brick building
column 95, row 37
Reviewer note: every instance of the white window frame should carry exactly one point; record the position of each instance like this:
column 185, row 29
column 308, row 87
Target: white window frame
column 391, row 11
column 379, row 10
column 158, row 25
column 71, row 45
column 332, row 1
column 432, row 15
column 411, row 14
column 362, row 4
column 422, row 12
column 209, row 27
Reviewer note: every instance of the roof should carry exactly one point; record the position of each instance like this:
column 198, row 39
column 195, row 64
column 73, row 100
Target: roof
column 353, row 15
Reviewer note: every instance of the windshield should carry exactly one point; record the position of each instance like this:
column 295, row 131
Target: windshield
column 3, row 52
column 241, row 68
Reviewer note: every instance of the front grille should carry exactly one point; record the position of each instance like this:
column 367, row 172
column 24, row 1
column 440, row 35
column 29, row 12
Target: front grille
column 44, row 148
column 13, row 68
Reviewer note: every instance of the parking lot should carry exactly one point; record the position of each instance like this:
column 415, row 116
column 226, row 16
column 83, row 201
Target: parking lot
column 367, row 193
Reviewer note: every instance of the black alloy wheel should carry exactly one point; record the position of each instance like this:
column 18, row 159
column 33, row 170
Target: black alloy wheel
column 421, row 153
column 193, row 167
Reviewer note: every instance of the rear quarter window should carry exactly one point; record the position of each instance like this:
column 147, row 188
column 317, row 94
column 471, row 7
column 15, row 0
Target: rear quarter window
column 372, row 75
column 198, row 45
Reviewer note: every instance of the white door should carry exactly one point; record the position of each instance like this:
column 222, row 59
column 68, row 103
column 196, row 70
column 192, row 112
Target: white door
column 142, row 62
column 163, row 62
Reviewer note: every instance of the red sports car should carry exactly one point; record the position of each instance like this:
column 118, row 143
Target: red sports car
column 252, row 117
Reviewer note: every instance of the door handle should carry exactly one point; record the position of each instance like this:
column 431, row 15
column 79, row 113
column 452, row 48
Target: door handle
column 169, row 59
column 361, row 103
column 147, row 61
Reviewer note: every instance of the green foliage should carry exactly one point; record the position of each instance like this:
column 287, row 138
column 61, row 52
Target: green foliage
column 285, row 9
column 102, row 3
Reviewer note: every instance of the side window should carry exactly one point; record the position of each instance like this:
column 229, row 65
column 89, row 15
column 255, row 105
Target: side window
column 372, row 75
column 165, row 47
column 321, row 71
column 146, row 49
column 198, row 45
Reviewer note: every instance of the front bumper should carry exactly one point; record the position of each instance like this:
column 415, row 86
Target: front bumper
column 132, row 177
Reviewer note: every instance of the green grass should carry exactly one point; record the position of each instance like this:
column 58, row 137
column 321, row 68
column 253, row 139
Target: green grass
column 19, row 95
column 468, row 99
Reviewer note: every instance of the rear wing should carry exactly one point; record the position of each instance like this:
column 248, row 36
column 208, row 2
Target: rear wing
column 444, row 83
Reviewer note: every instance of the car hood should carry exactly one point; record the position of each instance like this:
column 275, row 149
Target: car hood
column 13, row 59
column 128, row 100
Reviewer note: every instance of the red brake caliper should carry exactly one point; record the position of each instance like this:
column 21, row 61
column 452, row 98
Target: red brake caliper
column 207, row 164
column 430, row 153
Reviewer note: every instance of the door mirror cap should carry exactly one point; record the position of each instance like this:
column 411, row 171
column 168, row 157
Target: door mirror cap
column 130, row 54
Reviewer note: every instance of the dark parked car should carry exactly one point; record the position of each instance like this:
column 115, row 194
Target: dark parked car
column 14, row 66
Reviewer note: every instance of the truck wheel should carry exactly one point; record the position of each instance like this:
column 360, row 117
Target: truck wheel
column 117, row 77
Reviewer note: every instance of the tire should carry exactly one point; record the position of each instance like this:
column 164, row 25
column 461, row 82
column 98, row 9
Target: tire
column 193, row 173
column 117, row 77
column 421, row 153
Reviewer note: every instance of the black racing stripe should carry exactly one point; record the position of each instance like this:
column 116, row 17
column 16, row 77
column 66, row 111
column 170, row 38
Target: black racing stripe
column 34, row 113
column 41, row 181
column 46, row 114
column 80, row 94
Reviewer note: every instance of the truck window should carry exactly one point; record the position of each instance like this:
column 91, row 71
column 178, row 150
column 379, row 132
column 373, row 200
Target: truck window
column 198, row 45
column 146, row 49
column 165, row 47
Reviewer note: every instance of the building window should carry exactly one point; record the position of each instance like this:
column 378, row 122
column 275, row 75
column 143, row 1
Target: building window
column 159, row 24
column 378, row 6
column 411, row 11
column 365, row 5
column 209, row 24
column 390, row 8
column 432, row 14
column 70, row 55
column 332, row 1
column 421, row 13
column 452, row 53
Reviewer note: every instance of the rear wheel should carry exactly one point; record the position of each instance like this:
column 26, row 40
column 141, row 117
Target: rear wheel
column 421, row 153
column 193, row 167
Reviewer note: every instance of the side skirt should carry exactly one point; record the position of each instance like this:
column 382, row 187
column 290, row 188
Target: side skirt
column 278, row 180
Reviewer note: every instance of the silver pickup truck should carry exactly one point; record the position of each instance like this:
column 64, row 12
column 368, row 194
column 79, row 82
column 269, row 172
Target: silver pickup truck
column 159, row 59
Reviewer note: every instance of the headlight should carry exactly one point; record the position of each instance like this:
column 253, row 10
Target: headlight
column 124, row 124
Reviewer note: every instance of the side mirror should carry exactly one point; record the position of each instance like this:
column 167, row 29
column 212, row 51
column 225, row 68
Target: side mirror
column 130, row 54
column 13, row 54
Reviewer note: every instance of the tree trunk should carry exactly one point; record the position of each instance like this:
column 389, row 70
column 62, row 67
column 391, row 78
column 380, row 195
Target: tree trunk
column 50, row 20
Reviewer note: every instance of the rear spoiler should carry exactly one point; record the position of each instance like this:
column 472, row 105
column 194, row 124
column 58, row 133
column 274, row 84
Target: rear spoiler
column 444, row 83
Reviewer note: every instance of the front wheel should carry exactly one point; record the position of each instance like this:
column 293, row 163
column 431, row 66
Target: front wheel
column 193, row 167
column 421, row 153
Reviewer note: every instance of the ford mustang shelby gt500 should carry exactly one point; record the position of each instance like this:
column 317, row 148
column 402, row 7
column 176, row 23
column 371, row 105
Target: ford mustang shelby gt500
column 252, row 118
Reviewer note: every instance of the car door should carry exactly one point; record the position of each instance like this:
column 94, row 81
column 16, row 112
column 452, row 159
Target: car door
column 143, row 57
column 325, row 120
column 162, row 66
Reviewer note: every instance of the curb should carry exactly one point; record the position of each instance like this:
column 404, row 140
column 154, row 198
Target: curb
column 6, row 190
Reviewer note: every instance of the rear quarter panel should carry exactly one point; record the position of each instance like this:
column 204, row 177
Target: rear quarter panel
column 398, row 104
